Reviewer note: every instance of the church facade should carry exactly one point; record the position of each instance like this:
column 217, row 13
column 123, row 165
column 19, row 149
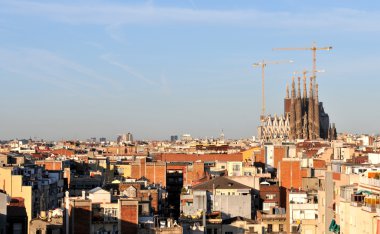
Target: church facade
column 304, row 116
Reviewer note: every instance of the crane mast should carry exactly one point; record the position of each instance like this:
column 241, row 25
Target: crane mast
column 314, row 49
column 262, row 65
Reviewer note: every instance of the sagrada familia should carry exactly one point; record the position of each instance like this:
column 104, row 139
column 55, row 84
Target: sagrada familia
column 304, row 116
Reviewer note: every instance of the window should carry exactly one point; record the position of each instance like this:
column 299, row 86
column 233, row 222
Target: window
column 110, row 214
column 209, row 231
column 281, row 227
column 270, row 228
column 236, row 167
column 228, row 233
column 17, row 228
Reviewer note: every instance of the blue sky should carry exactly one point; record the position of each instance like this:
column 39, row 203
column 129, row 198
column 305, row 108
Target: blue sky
column 77, row 69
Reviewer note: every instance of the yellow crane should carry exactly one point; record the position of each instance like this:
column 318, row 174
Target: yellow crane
column 263, row 64
column 314, row 49
column 304, row 72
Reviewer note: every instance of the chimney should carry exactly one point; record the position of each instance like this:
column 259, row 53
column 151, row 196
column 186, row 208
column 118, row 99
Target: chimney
column 43, row 214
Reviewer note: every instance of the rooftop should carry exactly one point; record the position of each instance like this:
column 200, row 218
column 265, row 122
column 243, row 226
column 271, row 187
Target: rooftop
column 220, row 183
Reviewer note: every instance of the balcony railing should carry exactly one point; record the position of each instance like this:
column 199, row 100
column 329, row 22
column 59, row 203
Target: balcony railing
column 356, row 204
column 369, row 208
column 273, row 216
column 187, row 197
column 370, row 181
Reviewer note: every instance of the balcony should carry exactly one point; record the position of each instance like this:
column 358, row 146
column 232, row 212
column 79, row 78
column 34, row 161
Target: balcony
column 369, row 208
column 186, row 197
column 273, row 216
column 370, row 181
column 356, row 204
column 96, row 218
column 371, row 202
column 357, row 200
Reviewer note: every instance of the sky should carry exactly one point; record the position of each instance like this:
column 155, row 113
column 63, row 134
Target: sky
column 81, row 69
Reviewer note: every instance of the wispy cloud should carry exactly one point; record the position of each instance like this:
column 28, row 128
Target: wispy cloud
column 121, row 14
column 162, row 83
column 115, row 32
column 94, row 44
column 47, row 67
column 131, row 71
column 165, row 87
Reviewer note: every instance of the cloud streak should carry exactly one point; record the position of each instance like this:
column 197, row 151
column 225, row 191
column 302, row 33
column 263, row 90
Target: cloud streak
column 113, row 14
column 47, row 67
column 108, row 58
column 162, row 83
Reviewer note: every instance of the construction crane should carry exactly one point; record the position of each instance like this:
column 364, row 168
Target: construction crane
column 314, row 49
column 304, row 72
column 263, row 64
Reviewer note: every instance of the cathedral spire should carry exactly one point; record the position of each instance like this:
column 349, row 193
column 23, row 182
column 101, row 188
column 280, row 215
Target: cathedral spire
column 316, row 92
column 299, row 88
column 311, row 111
column 317, row 132
column 292, row 121
column 311, row 88
column 298, row 110
column 293, row 88
column 287, row 91
column 304, row 85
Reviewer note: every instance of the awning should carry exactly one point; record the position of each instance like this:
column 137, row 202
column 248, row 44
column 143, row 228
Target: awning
column 363, row 191
column 334, row 227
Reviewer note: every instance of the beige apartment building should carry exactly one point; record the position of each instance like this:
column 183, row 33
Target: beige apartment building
column 13, row 186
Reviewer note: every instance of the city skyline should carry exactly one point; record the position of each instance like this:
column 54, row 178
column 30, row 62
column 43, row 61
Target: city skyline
column 75, row 70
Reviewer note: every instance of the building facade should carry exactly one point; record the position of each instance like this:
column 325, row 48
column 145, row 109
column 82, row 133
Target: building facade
column 304, row 116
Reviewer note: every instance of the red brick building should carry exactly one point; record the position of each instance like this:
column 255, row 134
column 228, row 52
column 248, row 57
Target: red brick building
column 289, row 173
column 51, row 165
column 270, row 196
column 319, row 164
column 155, row 172
column 167, row 157
column 129, row 216
column 86, row 216
column 66, row 152
column 79, row 216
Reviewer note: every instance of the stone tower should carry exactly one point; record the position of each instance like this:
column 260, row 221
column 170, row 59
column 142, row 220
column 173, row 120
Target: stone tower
column 311, row 111
column 299, row 111
column 316, row 114
column 292, row 114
